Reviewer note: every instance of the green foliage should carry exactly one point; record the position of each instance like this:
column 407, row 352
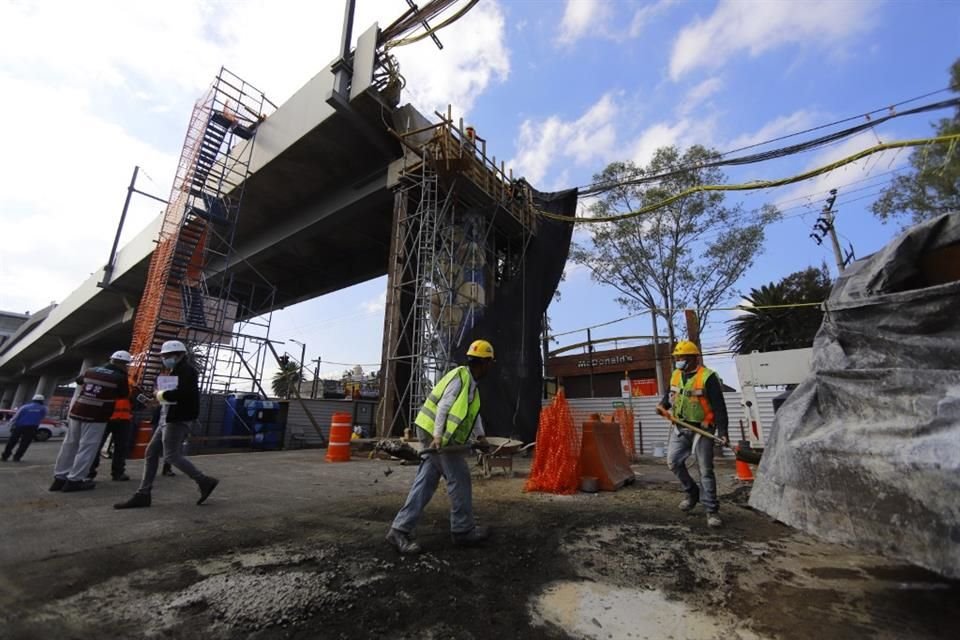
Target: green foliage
column 688, row 254
column 777, row 329
column 286, row 379
column 932, row 188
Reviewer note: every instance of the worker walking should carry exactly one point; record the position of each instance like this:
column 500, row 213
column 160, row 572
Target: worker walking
column 450, row 414
column 179, row 396
column 695, row 397
column 99, row 387
column 23, row 427
column 119, row 426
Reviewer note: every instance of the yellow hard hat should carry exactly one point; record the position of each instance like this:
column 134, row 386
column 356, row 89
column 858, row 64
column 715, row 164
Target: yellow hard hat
column 480, row 349
column 686, row 348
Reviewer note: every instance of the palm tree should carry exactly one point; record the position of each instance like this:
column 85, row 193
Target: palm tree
column 286, row 379
column 764, row 327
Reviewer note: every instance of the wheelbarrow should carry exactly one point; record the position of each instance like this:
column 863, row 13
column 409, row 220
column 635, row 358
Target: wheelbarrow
column 499, row 452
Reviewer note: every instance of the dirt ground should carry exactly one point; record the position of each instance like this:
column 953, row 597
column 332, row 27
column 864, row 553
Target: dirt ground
column 611, row 565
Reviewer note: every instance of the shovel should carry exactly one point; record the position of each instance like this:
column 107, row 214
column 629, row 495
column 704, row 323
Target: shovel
column 744, row 455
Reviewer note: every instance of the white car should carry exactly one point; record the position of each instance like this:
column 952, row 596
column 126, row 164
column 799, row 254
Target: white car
column 49, row 427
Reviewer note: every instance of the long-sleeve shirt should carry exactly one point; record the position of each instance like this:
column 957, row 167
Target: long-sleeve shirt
column 29, row 415
column 446, row 403
column 713, row 390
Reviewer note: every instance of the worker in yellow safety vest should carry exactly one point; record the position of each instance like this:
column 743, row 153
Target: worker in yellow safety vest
column 448, row 418
column 695, row 397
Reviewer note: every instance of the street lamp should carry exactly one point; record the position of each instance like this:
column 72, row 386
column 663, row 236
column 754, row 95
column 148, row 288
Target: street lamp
column 303, row 354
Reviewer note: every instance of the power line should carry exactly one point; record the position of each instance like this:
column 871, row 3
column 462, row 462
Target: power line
column 597, row 188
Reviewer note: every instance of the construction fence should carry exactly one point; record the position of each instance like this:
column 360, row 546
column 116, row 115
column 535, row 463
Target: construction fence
column 650, row 431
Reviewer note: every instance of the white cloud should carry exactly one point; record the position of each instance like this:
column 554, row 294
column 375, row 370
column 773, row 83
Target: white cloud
column 779, row 126
column 96, row 96
column 379, row 303
column 590, row 137
column 580, row 17
column 646, row 14
column 755, row 27
column 699, row 94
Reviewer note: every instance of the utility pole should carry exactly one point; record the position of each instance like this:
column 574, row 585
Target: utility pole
column 658, row 372
column 825, row 226
column 303, row 355
column 316, row 379
column 590, row 360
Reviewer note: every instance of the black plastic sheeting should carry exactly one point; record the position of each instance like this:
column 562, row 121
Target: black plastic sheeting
column 866, row 452
column 511, row 394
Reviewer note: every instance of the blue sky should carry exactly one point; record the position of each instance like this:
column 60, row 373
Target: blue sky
column 559, row 89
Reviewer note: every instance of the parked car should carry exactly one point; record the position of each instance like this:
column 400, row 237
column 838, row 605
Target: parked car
column 49, row 427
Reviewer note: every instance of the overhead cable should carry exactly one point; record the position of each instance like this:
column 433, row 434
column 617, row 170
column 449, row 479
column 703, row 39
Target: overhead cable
column 758, row 184
column 763, row 156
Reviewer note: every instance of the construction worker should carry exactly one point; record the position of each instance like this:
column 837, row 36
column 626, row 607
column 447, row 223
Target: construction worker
column 23, row 427
column 450, row 414
column 119, row 426
column 99, row 387
column 179, row 396
column 695, row 397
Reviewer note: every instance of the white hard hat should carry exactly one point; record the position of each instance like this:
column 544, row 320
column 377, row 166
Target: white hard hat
column 122, row 356
column 38, row 398
column 173, row 346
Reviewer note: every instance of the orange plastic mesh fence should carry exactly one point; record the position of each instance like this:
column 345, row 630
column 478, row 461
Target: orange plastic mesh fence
column 556, row 462
column 624, row 417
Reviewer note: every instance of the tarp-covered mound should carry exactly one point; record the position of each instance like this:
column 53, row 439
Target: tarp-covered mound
column 866, row 451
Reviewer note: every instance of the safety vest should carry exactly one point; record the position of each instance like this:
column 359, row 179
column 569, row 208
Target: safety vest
column 689, row 402
column 122, row 410
column 462, row 414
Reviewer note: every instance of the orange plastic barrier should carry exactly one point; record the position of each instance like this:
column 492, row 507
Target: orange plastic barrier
column 602, row 455
column 624, row 417
column 556, row 461
column 144, row 433
column 338, row 448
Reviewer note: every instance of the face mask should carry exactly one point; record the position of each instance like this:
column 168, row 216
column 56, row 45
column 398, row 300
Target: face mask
column 681, row 364
column 169, row 363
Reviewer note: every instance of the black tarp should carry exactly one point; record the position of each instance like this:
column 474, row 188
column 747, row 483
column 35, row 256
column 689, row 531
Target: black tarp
column 866, row 451
column 512, row 322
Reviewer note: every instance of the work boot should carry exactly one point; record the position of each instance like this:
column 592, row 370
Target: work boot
column 58, row 484
column 138, row 500
column 207, row 484
column 689, row 502
column 468, row 538
column 403, row 542
column 79, row 485
column 167, row 471
column 714, row 521
column 4, row 458
column 121, row 478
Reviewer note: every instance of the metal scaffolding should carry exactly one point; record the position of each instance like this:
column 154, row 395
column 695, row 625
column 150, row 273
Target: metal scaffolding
column 191, row 294
column 461, row 225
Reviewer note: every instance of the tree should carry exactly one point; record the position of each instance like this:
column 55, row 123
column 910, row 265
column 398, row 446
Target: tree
column 286, row 379
column 689, row 253
column 933, row 186
column 772, row 329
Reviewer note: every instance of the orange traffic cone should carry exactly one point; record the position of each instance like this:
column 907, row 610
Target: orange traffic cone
column 144, row 433
column 744, row 473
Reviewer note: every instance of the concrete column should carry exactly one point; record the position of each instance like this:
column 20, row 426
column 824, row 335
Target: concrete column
column 24, row 391
column 86, row 364
column 7, row 399
column 46, row 385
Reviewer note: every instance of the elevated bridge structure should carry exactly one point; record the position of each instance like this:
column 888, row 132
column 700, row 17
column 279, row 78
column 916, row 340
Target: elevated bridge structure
column 337, row 186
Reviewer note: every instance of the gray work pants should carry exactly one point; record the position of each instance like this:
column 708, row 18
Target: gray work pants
column 168, row 441
column 80, row 446
column 682, row 442
column 456, row 470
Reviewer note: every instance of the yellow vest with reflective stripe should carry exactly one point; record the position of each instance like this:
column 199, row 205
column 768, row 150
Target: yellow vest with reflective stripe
column 462, row 414
column 688, row 400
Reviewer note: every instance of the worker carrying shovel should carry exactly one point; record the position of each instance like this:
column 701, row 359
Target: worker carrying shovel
column 696, row 399
column 450, row 414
